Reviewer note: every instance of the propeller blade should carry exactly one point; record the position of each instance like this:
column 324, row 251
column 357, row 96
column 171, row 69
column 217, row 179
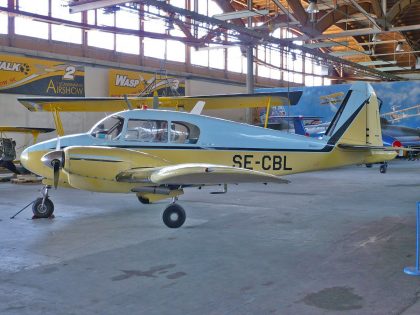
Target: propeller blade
column 56, row 169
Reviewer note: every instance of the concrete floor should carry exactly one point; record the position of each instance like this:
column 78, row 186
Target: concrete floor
column 330, row 242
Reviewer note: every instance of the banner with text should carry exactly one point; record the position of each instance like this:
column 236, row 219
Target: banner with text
column 23, row 75
column 124, row 82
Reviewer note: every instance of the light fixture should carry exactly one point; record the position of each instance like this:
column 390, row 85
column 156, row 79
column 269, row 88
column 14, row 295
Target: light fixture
column 169, row 25
column 312, row 7
column 399, row 47
column 218, row 37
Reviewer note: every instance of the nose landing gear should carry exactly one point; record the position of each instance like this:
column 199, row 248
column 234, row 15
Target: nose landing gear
column 43, row 207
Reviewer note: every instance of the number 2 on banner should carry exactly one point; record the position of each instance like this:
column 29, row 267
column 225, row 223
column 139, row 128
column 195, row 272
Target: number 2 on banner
column 69, row 73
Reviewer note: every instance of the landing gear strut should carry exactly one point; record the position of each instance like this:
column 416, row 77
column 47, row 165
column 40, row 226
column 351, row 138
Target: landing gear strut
column 174, row 215
column 43, row 207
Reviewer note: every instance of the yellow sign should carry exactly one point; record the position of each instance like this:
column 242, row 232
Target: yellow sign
column 23, row 75
column 123, row 82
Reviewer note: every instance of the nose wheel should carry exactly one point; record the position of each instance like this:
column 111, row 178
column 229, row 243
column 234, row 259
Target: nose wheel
column 174, row 216
column 43, row 207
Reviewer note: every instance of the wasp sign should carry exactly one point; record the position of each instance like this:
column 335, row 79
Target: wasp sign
column 123, row 82
column 22, row 75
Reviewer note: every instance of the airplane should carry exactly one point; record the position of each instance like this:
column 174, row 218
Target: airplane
column 7, row 145
column 283, row 123
column 156, row 154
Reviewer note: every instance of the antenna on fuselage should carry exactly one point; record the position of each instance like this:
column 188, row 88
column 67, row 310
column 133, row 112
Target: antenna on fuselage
column 198, row 108
column 130, row 107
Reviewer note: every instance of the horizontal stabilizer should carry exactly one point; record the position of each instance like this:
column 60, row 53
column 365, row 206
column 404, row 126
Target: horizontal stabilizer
column 370, row 147
column 360, row 147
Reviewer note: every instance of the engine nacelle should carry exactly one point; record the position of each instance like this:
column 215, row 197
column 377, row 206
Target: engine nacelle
column 96, row 168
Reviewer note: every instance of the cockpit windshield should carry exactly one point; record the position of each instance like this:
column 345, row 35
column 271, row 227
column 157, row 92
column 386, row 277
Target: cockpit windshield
column 109, row 128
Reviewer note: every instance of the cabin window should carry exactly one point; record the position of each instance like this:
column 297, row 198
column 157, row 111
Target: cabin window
column 183, row 132
column 109, row 128
column 147, row 130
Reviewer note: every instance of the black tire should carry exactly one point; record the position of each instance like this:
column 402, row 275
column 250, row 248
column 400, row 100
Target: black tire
column 382, row 169
column 369, row 165
column 144, row 201
column 174, row 216
column 42, row 212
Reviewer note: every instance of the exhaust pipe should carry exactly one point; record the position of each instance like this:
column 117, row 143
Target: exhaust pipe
column 152, row 190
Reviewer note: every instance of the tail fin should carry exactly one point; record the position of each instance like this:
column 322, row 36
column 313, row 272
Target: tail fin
column 357, row 120
column 299, row 126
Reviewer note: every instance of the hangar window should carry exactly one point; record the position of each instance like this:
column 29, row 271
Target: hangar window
column 61, row 32
column 128, row 44
column 28, row 27
column 147, row 130
column 100, row 39
column 109, row 128
column 4, row 23
column 183, row 132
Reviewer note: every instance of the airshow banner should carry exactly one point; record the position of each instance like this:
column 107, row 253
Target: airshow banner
column 23, row 75
column 135, row 83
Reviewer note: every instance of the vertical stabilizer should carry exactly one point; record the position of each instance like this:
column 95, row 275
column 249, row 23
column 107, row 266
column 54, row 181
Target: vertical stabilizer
column 357, row 120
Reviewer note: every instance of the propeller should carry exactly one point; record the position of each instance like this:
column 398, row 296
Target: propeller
column 55, row 160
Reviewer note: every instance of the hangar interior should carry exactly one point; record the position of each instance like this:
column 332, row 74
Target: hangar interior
column 334, row 240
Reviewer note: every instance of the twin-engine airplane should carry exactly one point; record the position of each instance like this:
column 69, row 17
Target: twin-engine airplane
column 158, row 153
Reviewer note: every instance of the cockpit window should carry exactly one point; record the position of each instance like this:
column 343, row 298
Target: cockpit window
column 109, row 128
column 183, row 132
column 147, row 130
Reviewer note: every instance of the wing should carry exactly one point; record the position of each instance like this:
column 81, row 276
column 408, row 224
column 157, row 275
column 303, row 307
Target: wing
column 196, row 174
column 113, row 104
column 25, row 129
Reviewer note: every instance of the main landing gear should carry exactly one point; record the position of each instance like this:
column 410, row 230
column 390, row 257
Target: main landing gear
column 43, row 207
column 383, row 167
column 174, row 215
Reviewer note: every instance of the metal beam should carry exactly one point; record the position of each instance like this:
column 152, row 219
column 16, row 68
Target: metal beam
column 285, row 11
column 377, row 63
column 298, row 11
column 358, row 32
column 348, row 53
column 397, row 8
column 382, row 42
column 392, row 69
column 359, row 7
column 79, row 6
column 256, row 37
column 240, row 14
column 250, row 37
column 325, row 44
